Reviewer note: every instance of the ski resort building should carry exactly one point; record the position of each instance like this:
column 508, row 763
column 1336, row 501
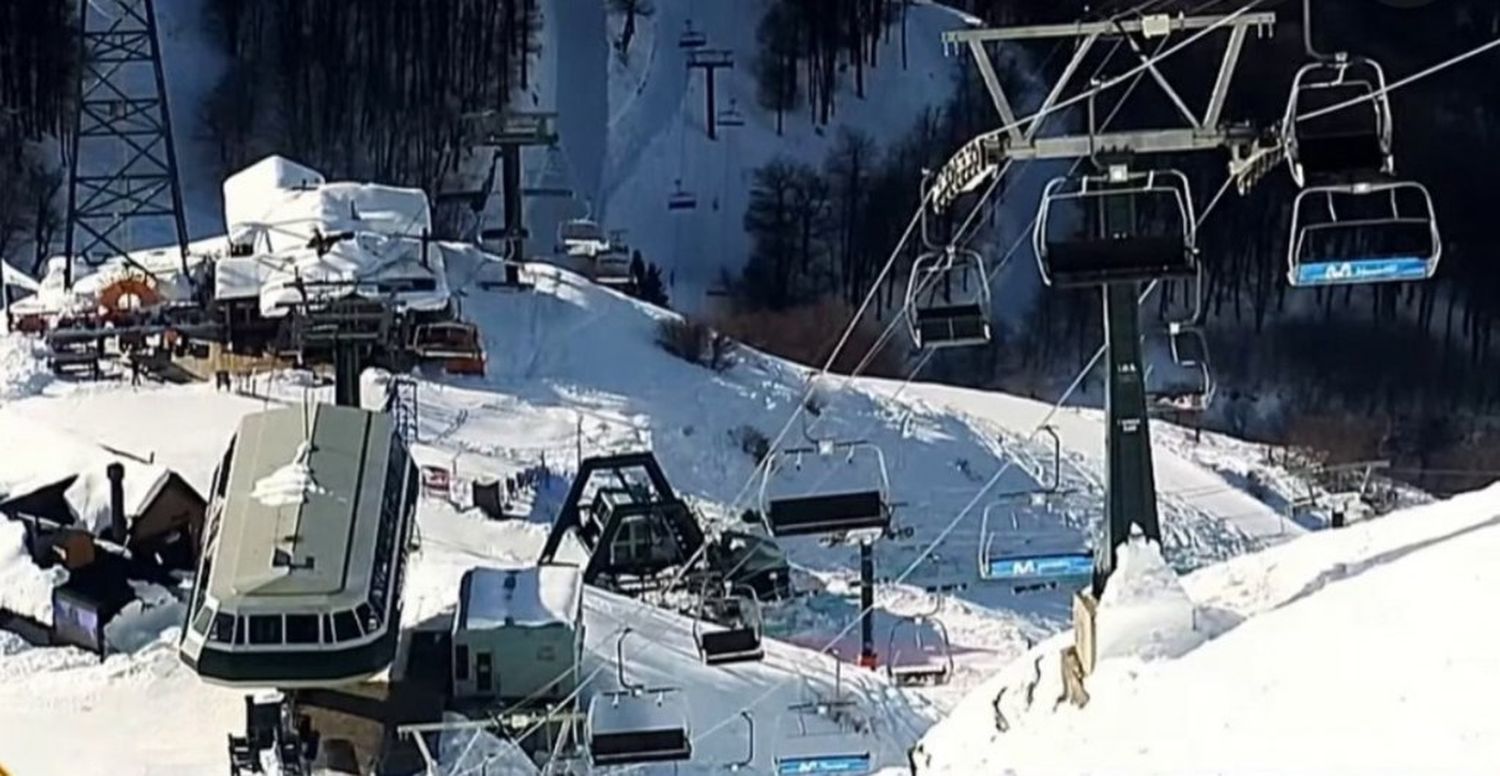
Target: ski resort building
column 295, row 238
column 305, row 550
column 518, row 633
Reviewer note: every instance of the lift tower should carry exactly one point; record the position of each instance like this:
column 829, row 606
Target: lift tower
column 1108, row 207
column 511, row 131
column 123, row 186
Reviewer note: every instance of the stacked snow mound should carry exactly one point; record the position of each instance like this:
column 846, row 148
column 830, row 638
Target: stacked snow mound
column 1145, row 613
column 24, row 589
column 1370, row 650
column 23, row 368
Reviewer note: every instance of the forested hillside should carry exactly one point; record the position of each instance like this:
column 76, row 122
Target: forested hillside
column 37, row 67
column 1369, row 371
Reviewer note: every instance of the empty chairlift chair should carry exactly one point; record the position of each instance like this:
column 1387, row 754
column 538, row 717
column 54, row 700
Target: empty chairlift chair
column 948, row 299
column 1350, row 143
column 637, row 724
column 691, row 37
column 919, row 650
column 681, row 198
column 581, row 237
column 456, row 344
column 731, row 116
column 1121, row 226
column 1363, row 233
column 812, row 742
column 740, row 639
column 795, row 501
column 1033, row 557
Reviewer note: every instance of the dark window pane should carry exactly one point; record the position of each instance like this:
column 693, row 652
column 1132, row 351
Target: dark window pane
column 265, row 629
column 346, row 626
column 302, row 628
column 328, row 629
column 240, row 631
column 461, row 662
column 223, row 628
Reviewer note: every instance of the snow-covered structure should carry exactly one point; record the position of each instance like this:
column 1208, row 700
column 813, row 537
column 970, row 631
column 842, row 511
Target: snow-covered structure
column 518, row 632
column 294, row 237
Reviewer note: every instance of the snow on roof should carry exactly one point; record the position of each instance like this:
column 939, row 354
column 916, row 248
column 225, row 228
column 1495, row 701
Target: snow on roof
column 371, row 265
column 530, row 597
column 276, row 204
column 53, row 455
column 24, row 588
column 16, row 278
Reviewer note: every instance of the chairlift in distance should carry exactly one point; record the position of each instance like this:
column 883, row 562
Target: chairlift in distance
column 947, row 294
column 1368, row 232
column 1353, row 142
column 456, row 344
column 803, row 753
column 740, row 641
column 1189, row 349
column 731, row 116
column 681, row 198
column 929, row 661
column 637, row 724
column 581, row 237
column 691, row 37
column 611, row 267
column 1118, row 226
column 861, row 514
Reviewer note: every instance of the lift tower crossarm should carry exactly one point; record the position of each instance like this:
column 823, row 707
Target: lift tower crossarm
column 1152, row 25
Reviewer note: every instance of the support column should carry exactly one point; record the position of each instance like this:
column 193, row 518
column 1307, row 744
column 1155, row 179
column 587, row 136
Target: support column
column 1130, row 492
column 510, row 192
column 867, row 604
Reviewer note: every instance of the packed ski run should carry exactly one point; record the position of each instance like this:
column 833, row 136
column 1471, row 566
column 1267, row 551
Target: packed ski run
column 378, row 477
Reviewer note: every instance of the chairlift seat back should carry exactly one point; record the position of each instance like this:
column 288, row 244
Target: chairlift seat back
column 833, row 513
column 627, row 730
column 682, row 200
column 852, row 764
column 736, row 645
column 1352, row 140
column 1090, row 262
column 952, row 325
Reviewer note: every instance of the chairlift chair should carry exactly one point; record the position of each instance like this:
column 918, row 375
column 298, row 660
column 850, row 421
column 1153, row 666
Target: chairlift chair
column 681, row 198
column 854, row 512
column 731, row 116
column 926, row 660
column 1350, row 142
column 740, row 640
column 612, row 267
column 691, row 38
column 637, row 724
column 948, row 299
column 1363, row 233
column 800, row 752
column 1189, row 351
column 581, row 237
column 1121, row 226
column 455, row 343
column 1032, row 559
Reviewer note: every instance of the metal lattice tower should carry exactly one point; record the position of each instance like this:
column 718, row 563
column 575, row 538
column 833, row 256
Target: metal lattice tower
column 122, row 176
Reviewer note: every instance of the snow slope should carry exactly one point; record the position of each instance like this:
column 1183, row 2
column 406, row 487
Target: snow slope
column 575, row 368
column 632, row 127
column 1358, row 651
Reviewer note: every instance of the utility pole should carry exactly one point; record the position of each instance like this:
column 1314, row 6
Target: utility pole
column 710, row 61
column 122, row 170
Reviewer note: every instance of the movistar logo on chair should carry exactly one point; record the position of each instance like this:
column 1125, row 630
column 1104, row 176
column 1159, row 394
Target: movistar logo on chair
column 847, row 764
column 1363, row 270
column 1043, row 566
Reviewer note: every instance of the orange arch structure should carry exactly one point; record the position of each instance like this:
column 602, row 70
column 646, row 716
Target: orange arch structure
column 115, row 298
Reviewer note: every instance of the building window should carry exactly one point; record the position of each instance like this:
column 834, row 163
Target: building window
column 302, row 628
column 222, row 630
column 265, row 629
column 201, row 620
column 461, row 662
column 345, row 626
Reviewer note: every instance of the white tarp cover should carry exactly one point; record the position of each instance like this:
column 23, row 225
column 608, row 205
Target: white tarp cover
column 539, row 595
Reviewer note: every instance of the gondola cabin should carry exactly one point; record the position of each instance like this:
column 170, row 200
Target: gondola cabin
column 518, row 633
column 304, row 551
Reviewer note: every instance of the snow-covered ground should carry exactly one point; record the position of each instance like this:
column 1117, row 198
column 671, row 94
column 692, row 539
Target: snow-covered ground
column 575, row 368
column 1359, row 651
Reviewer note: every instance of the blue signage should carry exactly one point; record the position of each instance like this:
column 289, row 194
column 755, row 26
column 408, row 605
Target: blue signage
column 846, row 764
column 1362, row 271
column 1061, row 566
